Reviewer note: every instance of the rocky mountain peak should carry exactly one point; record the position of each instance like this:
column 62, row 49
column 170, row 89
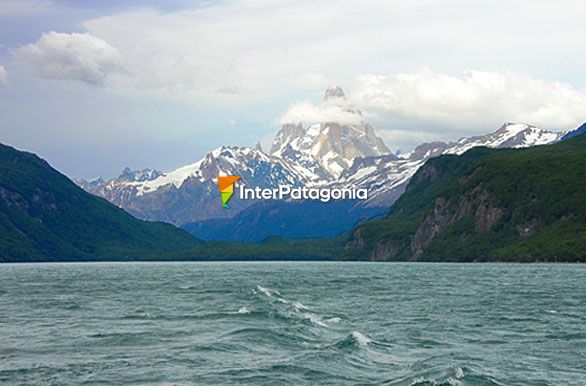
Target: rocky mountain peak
column 334, row 92
column 288, row 133
column 330, row 145
column 429, row 149
column 138, row 175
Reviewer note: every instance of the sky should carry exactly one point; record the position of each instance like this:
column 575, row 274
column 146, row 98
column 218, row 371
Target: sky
column 95, row 86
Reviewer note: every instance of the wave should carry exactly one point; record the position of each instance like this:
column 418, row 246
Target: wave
column 292, row 310
column 314, row 319
column 266, row 291
column 353, row 340
column 299, row 306
column 202, row 317
column 452, row 376
column 361, row 339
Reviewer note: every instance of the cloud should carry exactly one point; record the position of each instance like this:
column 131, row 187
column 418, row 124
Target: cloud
column 225, row 52
column 308, row 113
column 3, row 76
column 248, row 51
column 254, row 50
column 471, row 100
column 75, row 56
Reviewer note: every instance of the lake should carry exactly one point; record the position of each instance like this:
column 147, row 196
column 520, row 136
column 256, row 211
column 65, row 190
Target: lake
column 293, row 323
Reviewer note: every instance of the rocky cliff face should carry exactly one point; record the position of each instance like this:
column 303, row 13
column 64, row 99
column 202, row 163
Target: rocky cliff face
column 445, row 212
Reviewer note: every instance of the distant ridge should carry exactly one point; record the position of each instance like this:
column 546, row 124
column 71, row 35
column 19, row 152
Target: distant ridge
column 574, row 133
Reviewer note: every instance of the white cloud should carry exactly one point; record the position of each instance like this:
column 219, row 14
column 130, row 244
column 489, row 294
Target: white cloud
column 256, row 50
column 266, row 141
column 308, row 113
column 3, row 76
column 473, row 99
column 75, row 56
column 247, row 51
column 240, row 51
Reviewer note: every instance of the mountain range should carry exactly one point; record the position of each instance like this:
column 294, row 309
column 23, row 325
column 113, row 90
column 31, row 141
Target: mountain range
column 337, row 153
column 523, row 204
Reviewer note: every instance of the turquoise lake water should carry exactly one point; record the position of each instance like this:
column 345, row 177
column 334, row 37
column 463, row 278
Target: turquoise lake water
column 293, row 323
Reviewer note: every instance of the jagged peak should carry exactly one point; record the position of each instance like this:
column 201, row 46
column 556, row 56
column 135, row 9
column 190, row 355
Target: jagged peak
column 234, row 152
column 334, row 92
column 138, row 175
column 514, row 129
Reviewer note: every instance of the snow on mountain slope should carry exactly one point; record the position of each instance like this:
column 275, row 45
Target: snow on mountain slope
column 514, row 135
column 248, row 163
column 386, row 178
column 189, row 193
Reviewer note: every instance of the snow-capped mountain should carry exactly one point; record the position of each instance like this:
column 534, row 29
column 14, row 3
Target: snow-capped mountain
column 386, row 178
column 344, row 153
column 514, row 135
column 327, row 149
column 189, row 193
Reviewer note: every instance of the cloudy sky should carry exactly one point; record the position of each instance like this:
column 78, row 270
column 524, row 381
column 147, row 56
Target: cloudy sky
column 94, row 86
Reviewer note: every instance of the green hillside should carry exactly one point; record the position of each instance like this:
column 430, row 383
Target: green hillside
column 45, row 216
column 486, row 205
